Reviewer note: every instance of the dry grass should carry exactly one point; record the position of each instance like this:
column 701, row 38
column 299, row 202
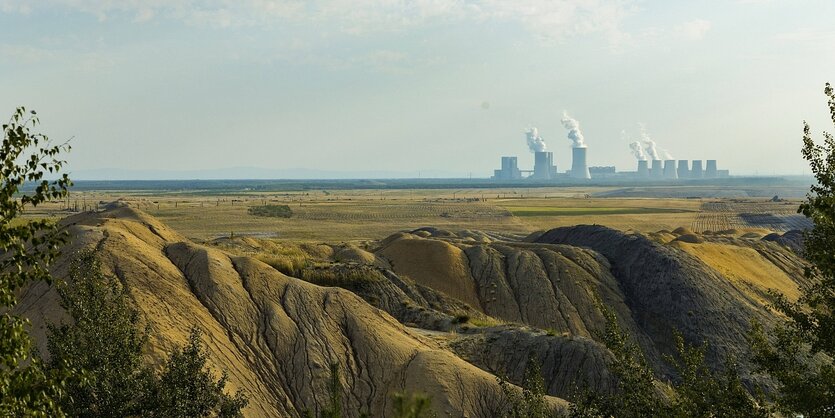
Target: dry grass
column 645, row 215
column 362, row 215
column 745, row 267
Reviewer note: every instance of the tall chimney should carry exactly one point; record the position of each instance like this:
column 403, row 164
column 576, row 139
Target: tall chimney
column 670, row 169
column 683, row 169
column 543, row 161
column 579, row 168
column 710, row 170
column 696, row 172
column 657, row 171
column 643, row 168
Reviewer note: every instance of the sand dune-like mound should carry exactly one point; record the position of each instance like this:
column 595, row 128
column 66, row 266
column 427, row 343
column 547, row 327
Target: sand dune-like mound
column 275, row 335
column 350, row 253
column 792, row 239
column 568, row 363
column 682, row 231
column 746, row 267
column 433, row 263
column 672, row 282
column 689, row 238
column 670, row 290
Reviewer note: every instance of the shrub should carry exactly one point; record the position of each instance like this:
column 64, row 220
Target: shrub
column 27, row 248
column 104, row 340
column 271, row 211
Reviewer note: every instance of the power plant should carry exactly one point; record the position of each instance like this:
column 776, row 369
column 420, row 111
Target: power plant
column 543, row 166
column 643, row 169
column 683, row 169
column 670, row 169
column 657, row 171
column 696, row 170
column 509, row 171
column 654, row 164
column 579, row 167
column 710, row 170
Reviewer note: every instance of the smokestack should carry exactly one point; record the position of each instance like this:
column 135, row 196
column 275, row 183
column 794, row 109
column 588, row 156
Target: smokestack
column 579, row 167
column 710, row 170
column 543, row 165
column 683, row 169
column 696, row 171
column 657, row 171
column 670, row 169
column 643, row 168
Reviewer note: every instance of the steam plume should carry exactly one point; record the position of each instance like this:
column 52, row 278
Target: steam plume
column 649, row 145
column 574, row 133
column 535, row 142
column 637, row 151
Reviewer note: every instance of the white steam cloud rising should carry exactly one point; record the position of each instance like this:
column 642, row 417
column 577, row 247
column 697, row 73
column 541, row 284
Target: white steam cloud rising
column 574, row 133
column 535, row 142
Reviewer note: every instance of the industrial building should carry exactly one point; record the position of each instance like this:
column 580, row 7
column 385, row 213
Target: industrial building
column 651, row 166
column 543, row 166
column 509, row 171
column 579, row 166
column 659, row 170
column 681, row 170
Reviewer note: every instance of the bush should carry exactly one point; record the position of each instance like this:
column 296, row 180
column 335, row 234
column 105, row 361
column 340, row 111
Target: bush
column 27, row 248
column 699, row 393
column 530, row 402
column 186, row 389
column 104, row 340
column 271, row 211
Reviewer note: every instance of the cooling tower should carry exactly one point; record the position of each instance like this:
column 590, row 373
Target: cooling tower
column 683, row 169
column 670, row 169
column 643, row 168
column 542, row 163
column 696, row 171
column 657, row 171
column 710, row 169
column 579, row 167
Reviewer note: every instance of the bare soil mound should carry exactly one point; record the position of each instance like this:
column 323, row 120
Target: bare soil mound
column 682, row 231
column 689, row 238
column 433, row 263
column 669, row 290
column 275, row 335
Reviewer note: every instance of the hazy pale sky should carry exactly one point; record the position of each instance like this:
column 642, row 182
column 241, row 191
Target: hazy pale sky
column 417, row 85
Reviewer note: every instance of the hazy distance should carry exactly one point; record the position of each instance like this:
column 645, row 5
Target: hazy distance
column 438, row 87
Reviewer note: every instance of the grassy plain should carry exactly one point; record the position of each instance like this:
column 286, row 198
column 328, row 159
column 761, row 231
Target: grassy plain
column 358, row 215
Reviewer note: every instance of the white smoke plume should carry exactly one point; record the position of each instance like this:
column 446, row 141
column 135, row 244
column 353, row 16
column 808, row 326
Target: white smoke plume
column 535, row 142
column 634, row 146
column 574, row 133
column 637, row 151
column 651, row 147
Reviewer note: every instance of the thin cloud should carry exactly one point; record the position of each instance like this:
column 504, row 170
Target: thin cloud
column 550, row 19
column 694, row 30
column 806, row 35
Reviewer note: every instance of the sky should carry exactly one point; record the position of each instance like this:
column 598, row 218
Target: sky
column 421, row 85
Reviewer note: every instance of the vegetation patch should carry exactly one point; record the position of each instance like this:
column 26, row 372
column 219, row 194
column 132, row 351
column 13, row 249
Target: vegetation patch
column 271, row 211
column 347, row 277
